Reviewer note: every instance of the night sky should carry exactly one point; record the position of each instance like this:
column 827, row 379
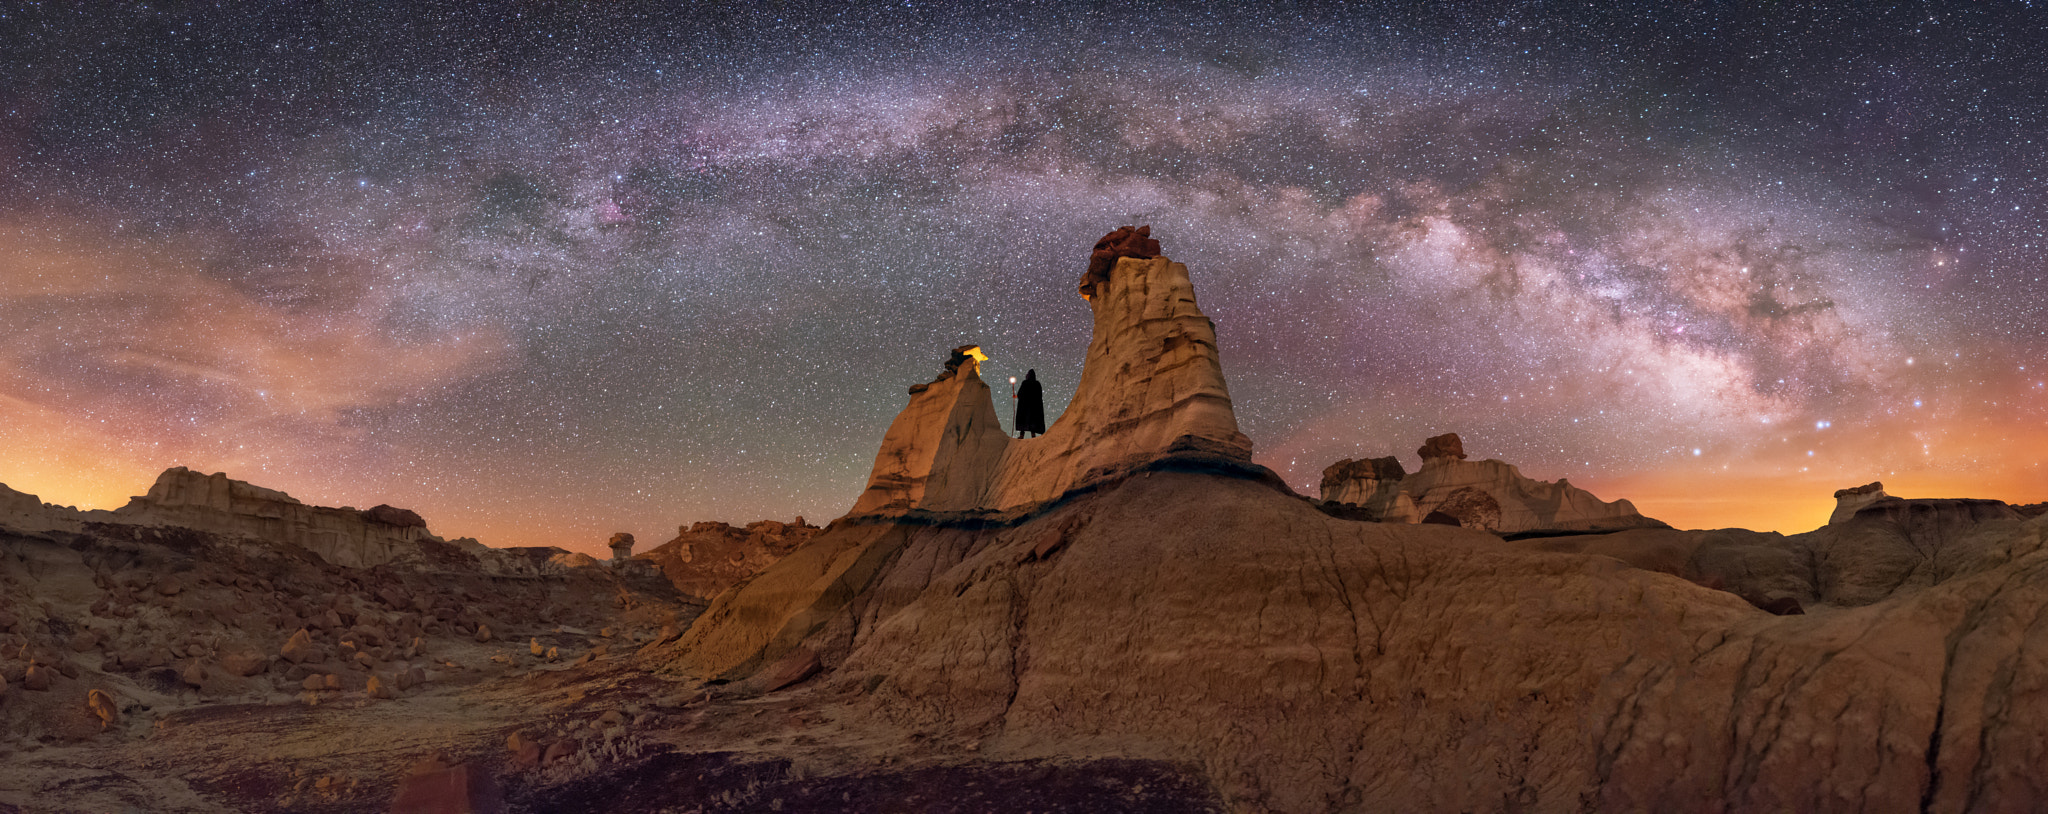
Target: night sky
column 547, row 272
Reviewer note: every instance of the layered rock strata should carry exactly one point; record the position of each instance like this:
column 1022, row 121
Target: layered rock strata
column 216, row 504
column 1152, row 385
column 1308, row 663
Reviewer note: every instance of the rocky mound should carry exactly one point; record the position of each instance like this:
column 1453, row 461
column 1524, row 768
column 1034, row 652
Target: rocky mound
column 706, row 558
column 1487, row 495
column 1413, row 667
column 111, row 620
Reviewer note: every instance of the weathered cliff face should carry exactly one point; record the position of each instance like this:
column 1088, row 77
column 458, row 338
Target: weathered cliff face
column 218, row 504
column 1489, row 495
column 1152, row 385
column 1309, row 663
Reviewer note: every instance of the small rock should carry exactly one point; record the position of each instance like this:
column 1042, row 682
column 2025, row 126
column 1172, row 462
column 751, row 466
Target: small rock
column 314, row 682
column 170, row 585
column 526, row 753
column 533, row 646
column 37, row 678
column 194, row 675
column 103, row 706
column 483, row 633
column 244, row 664
column 378, row 689
column 299, row 648
column 85, row 641
column 553, row 654
column 366, row 661
column 333, row 681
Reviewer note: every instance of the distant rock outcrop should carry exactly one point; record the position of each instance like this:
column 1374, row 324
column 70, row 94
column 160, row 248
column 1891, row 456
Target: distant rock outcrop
column 217, row 504
column 1451, row 488
column 706, row 558
column 1151, row 386
column 1852, row 500
column 1364, row 482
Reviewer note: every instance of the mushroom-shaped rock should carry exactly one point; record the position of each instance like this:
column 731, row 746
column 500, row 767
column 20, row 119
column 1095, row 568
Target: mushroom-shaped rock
column 622, row 547
column 1126, row 241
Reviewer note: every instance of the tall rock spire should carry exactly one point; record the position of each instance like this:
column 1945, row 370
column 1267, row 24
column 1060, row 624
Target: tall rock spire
column 1151, row 386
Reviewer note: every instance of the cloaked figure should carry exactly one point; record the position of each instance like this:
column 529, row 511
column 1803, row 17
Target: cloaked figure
column 1030, row 398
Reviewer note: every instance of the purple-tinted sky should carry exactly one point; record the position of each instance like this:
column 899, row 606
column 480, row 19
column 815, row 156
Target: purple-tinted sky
column 543, row 273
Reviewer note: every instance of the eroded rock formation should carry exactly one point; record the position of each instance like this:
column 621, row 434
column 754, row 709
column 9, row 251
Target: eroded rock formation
column 708, row 557
column 1852, row 500
column 1450, row 488
column 1151, row 386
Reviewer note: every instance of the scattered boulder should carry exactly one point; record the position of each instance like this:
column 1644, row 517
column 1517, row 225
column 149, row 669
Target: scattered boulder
column 37, row 678
column 378, row 688
column 102, row 706
column 483, row 633
column 299, row 648
column 526, row 753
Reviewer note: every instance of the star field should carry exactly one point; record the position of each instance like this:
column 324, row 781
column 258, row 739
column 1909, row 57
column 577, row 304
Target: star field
column 546, row 273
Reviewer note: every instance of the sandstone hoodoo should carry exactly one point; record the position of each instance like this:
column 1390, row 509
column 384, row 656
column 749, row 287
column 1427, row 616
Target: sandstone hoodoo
column 1125, row 613
column 1174, row 603
column 1151, row 386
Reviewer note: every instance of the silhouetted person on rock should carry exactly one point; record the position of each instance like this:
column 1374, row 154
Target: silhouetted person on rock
column 1030, row 398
